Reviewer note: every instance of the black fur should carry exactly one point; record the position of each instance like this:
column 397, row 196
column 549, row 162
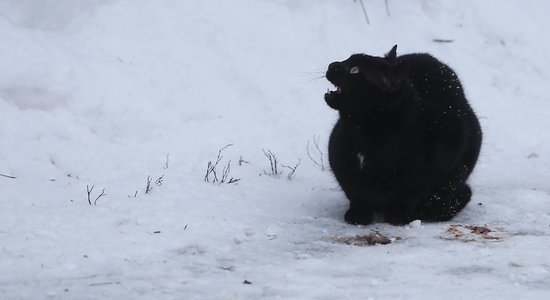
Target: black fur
column 406, row 140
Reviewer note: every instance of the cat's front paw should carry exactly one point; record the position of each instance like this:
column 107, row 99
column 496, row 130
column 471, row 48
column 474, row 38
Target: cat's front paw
column 355, row 217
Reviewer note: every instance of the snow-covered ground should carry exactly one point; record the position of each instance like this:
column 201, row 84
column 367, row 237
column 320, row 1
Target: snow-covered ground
column 109, row 93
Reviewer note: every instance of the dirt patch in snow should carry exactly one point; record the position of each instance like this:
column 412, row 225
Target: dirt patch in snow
column 371, row 239
column 475, row 233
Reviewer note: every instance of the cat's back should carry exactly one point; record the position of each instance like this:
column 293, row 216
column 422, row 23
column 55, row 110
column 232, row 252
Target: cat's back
column 432, row 79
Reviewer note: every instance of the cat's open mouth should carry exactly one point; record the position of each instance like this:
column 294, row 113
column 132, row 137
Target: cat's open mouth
column 331, row 94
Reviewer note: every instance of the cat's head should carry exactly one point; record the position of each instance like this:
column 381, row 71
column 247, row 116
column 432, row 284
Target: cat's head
column 364, row 81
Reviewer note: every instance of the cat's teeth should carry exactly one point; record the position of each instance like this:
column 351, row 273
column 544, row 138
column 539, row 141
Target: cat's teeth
column 338, row 90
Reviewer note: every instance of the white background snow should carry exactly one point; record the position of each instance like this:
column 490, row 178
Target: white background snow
column 108, row 93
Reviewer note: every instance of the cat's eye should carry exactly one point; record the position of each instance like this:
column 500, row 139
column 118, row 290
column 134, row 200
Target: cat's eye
column 354, row 70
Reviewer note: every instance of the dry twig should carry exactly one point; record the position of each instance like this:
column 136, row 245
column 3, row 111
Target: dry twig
column 167, row 160
column 211, row 173
column 274, row 164
column 292, row 173
column 89, row 191
column 160, row 180
column 148, row 187
column 364, row 11
column 320, row 162
column 8, row 176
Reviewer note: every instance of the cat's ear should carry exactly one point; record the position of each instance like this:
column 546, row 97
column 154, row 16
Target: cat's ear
column 391, row 56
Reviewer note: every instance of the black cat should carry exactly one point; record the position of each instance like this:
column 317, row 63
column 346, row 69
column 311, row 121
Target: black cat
column 406, row 140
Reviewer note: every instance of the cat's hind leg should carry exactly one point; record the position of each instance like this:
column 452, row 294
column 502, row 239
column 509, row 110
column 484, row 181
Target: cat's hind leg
column 449, row 199
column 445, row 203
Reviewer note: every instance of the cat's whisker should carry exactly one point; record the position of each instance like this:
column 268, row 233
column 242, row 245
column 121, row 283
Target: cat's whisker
column 314, row 79
column 319, row 77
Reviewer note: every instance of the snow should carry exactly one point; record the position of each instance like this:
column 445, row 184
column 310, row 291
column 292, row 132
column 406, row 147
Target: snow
column 109, row 93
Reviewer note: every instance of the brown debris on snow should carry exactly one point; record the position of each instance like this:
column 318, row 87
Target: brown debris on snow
column 473, row 233
column 370, row 239
column 478, row 229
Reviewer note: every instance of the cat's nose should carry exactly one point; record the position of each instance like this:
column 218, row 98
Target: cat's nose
column 335, row 71
column 335, row 67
